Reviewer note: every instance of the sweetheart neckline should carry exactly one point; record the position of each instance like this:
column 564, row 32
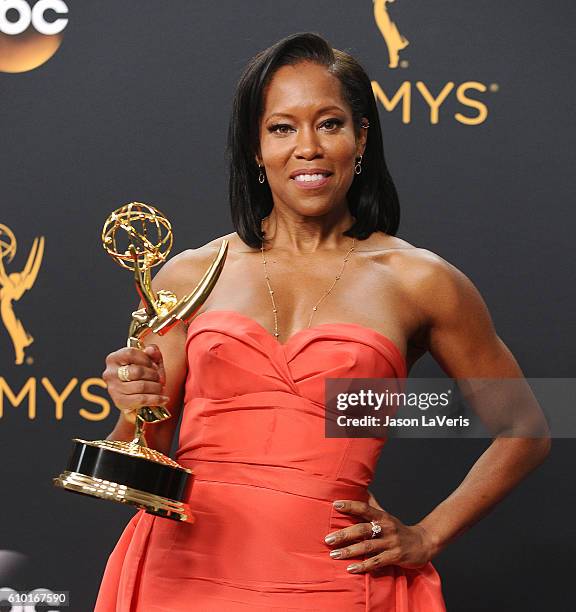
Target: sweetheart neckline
column 300, row 332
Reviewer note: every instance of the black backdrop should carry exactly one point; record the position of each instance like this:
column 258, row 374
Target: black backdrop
column 135, row 106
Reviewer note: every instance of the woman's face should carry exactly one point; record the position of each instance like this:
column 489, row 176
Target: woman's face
column 307, row 140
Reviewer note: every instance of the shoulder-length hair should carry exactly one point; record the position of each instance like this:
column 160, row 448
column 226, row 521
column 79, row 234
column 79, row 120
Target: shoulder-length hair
column 372, row 197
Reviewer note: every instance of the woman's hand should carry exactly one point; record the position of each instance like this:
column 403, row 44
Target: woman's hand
column 145, row 369
column 408, row 546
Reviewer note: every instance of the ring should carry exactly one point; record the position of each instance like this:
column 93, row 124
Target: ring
column 123, row 373
column 376, row 529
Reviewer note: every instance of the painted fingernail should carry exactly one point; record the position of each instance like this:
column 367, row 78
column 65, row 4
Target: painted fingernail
column 338, row 504
column 335, row 554
column 353, row 568
column 330, row 539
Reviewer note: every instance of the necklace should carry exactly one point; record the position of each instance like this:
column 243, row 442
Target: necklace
column 315, row 307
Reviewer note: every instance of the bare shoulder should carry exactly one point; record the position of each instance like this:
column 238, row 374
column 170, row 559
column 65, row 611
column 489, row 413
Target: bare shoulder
column 423, row 268
column 183, row 271
column 431, row 282
column 435, row 288
column 457, row 327
column 414, row 266
column 456, row 324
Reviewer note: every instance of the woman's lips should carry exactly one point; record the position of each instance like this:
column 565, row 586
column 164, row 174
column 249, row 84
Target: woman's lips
column 312, row 184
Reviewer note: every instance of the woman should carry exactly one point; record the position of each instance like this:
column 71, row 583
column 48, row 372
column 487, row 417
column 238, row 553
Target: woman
column 315, row 285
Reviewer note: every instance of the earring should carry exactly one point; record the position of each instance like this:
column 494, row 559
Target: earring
column 358, row 165
column 261, row 176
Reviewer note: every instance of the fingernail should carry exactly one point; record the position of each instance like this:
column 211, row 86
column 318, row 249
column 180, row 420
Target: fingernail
column 338, row 504
column 335, row 554
column 330, row 539
column 354, row 567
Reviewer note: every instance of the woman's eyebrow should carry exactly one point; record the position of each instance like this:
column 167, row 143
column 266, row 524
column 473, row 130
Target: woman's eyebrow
column 318, row 112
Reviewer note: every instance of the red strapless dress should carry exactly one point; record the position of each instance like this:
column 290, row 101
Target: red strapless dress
column 265, row 478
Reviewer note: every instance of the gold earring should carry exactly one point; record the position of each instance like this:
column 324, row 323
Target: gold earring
column 358, row 165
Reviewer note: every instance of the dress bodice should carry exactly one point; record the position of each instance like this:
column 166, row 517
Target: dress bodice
column 252, row 400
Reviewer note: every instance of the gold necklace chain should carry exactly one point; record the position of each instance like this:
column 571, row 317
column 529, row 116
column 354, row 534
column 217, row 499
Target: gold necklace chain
column 315, row 307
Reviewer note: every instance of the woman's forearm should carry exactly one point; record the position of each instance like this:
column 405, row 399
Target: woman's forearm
column 497, row 471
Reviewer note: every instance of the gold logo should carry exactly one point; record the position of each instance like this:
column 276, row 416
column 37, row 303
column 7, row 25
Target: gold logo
column 27, row 38
column 392, row 37
column 410, row 94
column 14, row 285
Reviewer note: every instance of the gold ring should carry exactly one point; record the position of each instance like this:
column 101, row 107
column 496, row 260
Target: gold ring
column 123, row 373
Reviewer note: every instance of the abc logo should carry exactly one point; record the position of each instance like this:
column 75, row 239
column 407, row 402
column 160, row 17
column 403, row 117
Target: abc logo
column 30, row 35
column 35, row 16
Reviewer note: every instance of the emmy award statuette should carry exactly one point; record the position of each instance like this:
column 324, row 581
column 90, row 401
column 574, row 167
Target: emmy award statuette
column 139, row 237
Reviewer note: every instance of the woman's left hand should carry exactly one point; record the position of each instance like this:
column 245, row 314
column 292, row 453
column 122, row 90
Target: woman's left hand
column 408, row 546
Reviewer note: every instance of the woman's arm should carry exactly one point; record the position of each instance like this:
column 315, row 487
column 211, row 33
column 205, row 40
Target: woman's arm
column 462, row 339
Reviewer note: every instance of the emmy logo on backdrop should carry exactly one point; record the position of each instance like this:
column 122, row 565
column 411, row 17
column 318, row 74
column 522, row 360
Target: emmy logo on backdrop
column 138, row 237
column 392, row 37
column 14, row 285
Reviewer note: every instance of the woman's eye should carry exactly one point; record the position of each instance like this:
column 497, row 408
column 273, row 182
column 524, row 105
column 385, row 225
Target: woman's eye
column 332, row 125
column 279, row 128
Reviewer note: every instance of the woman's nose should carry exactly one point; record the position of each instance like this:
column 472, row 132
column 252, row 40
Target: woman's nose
column 308, row 144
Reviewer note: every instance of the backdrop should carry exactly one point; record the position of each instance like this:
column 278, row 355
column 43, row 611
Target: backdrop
column 115, row 101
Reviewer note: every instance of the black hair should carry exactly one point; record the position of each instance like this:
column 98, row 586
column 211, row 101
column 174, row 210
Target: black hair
column 372, row 197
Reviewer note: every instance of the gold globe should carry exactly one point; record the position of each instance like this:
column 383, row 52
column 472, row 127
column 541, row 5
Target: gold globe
column 138, row 233
column 7, row 243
